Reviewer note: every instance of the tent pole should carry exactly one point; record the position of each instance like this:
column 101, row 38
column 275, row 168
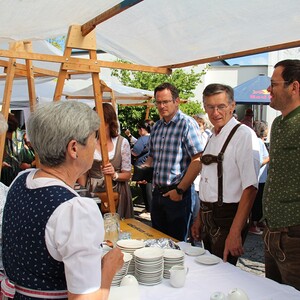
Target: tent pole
column 11, row 70
column 31, row 88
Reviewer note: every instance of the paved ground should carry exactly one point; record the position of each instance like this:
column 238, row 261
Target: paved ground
column 253, row 259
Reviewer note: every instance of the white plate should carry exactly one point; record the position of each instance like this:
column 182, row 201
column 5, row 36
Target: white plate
column 173, row 254
column 130, row 244
column 194, row 251
column 149, row 253
column 208, row 259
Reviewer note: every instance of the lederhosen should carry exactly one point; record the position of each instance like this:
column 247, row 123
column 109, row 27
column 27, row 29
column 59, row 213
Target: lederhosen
column 217, row 217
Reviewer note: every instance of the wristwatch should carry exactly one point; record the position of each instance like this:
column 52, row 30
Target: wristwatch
column 179, row 191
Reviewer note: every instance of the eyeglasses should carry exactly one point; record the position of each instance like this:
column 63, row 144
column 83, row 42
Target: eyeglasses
column 276, row 83
column 163, row 103
column 221, row 107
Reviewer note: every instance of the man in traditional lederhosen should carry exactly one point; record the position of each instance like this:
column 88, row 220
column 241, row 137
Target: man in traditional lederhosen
column 229, row 177
column 281, row 198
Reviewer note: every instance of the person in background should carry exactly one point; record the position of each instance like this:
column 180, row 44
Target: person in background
column 248, row 118
column 205, row 130
column 281, row 198
column 229, row 178
column 175, row 156
column 261, row 130
column 131, row 138
column 54, row 249
column 140, row 151
column 119, row 167
column 11, row 163
column 3, row 192
column 27, row 156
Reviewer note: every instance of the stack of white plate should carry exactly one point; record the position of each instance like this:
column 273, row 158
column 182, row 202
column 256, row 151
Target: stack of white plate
column 129, row 246
column 172, row 257
column 149, row 265
column 121, row 273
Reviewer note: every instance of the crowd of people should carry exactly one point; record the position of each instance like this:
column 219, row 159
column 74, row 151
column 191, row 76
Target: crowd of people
column 240, row 184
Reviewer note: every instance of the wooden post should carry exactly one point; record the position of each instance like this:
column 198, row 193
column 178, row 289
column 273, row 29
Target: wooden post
column 6, row 101
column 77, row 41
column 12, row 68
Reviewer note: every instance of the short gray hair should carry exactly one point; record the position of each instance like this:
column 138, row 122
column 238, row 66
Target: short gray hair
column 52, row 126
column 217, row 88
column 3, row 124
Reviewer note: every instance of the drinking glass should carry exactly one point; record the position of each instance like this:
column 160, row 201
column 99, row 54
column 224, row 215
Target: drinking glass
column 111, row 227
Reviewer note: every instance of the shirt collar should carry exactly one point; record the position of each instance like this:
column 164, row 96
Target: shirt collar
column 227, row 127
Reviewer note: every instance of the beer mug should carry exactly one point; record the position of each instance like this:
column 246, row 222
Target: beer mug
column 111, row 227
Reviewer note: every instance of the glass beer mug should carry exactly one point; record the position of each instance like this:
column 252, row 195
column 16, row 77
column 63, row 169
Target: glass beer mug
column 111, row 227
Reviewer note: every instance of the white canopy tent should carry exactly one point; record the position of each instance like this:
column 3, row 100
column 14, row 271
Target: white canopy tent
column 162, row 32
column 44, row 92
column 122, row 94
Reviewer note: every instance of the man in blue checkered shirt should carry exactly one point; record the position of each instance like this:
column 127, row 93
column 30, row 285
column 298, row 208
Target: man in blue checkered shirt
column 175, row 147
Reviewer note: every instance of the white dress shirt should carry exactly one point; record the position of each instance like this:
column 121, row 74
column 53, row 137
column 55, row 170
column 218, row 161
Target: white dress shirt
column 241, row 164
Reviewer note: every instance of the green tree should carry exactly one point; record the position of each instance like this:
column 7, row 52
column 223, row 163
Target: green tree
column 58, row 42
column 186, row 82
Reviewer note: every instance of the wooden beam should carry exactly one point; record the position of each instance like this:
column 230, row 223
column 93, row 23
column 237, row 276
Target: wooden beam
column 83, row 61
column 90, row 25
column 102, row 135
column 80, row 67
column 6, row 102
column 21, row 69
column 61, row 77
column 104, row 99
column 235, row 55
column 137, row 104
column 30, row 78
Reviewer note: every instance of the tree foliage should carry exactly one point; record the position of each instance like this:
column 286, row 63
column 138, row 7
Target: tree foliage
column 186, row 82
column 58, row 42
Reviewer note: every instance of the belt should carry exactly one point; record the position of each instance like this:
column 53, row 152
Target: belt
column 8, row 289
column 285, row 229
column 165, row 189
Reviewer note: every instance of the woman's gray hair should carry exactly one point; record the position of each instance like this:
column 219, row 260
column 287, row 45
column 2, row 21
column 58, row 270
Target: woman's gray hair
column 3, row 124
column 260, row 128
column 52, row 126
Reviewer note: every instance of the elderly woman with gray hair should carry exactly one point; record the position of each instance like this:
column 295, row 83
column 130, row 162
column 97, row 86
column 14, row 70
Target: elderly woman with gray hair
column 52, row 237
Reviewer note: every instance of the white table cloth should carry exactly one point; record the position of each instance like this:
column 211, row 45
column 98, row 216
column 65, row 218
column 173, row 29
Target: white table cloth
column 204, row 280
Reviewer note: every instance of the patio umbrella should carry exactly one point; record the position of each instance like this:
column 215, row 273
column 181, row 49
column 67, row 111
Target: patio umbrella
column 253, row 91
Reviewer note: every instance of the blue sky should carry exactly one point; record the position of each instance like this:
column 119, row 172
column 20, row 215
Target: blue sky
column 255, row 59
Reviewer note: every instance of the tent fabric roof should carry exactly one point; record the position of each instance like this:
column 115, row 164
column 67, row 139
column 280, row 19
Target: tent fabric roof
column 160, row 33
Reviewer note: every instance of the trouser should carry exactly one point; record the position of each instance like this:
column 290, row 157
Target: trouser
column 216, row 222
column 282, row 255
column 146, row 190
column 171, row 217
column 256, row 212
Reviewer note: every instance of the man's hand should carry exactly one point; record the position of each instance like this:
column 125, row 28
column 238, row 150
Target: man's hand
column 173, row 195
column 233, row 245
column 196, row 229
